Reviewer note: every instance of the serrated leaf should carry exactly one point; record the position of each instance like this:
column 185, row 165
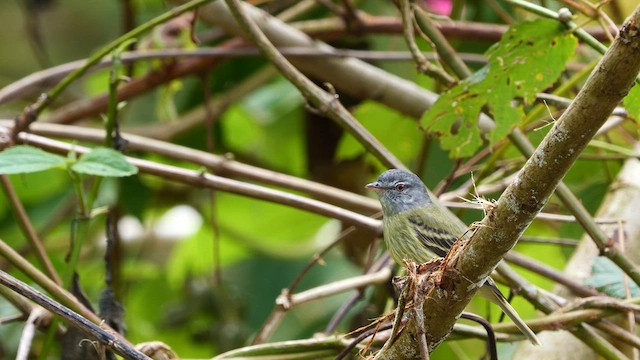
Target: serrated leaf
column 609, row 279
column 104, row 162
column 632, row 102
column 528, row 58
column 24, row 159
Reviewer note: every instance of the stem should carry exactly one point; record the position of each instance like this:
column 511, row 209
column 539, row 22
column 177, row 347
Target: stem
column 79, row 229
column 424, row 66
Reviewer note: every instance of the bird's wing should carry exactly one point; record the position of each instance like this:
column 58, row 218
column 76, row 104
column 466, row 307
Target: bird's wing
column 436, row 238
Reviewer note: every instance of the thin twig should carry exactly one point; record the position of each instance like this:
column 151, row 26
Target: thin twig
column 563, row 320
column 283, row 303
column 28, row 333
column 360, row 338
column 340, row 286
column 575, row 206
column 317, row 258
column 224, row 166
column 335, row 28
column 383, row 261
column 35, row 82
column 442, row 46
column 577, row 31
column 419, row 295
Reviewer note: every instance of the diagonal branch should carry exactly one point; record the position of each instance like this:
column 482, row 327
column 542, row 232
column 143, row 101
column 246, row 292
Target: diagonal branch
column 321, row 100
column 107, row 338
column 525, row 197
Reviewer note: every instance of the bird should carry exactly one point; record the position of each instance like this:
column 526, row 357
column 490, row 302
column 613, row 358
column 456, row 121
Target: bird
column 416, row 229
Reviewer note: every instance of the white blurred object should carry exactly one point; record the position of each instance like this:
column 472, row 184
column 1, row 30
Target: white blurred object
column 177, row 223
column 156, row 241
column 130, row 229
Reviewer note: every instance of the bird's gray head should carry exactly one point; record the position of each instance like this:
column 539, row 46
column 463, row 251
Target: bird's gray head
column 400, row 190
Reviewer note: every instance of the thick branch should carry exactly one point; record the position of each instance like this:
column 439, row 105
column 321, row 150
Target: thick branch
column 525, row 197
column 621, row 203
column 518, row 205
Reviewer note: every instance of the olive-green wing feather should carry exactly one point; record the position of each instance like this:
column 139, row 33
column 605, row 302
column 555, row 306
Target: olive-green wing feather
column 433, row 230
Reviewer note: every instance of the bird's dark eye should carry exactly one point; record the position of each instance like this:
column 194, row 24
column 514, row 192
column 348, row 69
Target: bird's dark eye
column 400, row 187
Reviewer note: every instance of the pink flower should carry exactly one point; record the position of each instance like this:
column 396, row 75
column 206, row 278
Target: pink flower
column 441, row 7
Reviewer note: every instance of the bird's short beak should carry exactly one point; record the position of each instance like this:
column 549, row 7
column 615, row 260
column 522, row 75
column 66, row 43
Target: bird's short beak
column 375, row 186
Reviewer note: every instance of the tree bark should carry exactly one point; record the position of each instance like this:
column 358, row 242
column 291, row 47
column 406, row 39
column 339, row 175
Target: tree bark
column 466, row 271
column 621, row 202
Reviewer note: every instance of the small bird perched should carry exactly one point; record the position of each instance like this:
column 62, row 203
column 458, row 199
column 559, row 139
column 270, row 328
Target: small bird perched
column 416, row 229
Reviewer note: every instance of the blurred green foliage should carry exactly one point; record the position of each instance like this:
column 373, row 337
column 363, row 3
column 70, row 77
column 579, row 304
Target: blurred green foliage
column 167, row 285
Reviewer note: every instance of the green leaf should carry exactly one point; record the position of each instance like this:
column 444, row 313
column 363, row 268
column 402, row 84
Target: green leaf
column 608, row 278
column 528, row 59
column 632, row 102
column 104, row 162
column 24, row 159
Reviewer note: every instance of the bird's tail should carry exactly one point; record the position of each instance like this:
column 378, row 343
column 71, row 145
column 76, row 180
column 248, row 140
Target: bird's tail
column 490, row 291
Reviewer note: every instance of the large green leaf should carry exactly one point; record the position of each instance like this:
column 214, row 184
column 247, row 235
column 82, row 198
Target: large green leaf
column 24, row 159
column 528, row 59
column 104, row 162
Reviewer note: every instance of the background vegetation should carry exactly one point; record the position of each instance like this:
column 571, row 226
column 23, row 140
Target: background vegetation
column 189, row 249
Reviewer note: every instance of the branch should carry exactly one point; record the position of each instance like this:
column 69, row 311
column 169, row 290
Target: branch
column 323, row 101
column 424, row 66
column 335, row 28
column 525, row 197
column 354, row 77
column 621, row 203
column 314, row 348
column 217, row 164
column 108, row 339
column 27, row 228
column 202, row 179
column 92, row 106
